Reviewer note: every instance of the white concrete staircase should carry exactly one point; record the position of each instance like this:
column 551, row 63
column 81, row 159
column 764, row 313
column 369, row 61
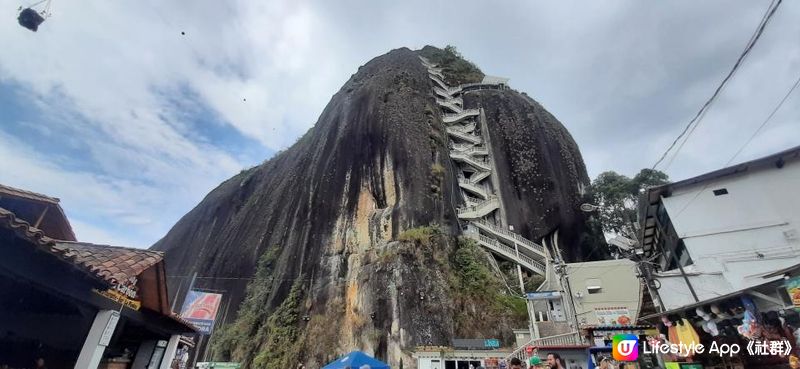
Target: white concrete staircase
column 480, row 164
column 473, row 188
column 473, row 159
column 454, row 118
column 523, row 243
column 464, row 136
column 479, row 210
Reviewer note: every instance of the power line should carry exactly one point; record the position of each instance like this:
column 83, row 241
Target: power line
column 766, row 121
column 700, row 113
column 750, row 139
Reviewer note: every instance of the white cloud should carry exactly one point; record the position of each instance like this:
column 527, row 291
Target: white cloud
column 623, row 78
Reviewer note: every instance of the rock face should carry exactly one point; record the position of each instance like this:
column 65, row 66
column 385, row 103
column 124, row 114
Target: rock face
column 347, row 239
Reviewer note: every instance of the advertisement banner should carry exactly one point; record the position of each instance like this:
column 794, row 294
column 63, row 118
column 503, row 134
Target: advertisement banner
column 610, row 316
column 200, row 309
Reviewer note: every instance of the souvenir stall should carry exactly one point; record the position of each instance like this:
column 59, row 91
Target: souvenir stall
column 600, row 337
column 755, row 329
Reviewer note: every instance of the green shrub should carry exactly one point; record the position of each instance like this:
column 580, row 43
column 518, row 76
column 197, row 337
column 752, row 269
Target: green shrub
column 420, row 235
column 455, row 68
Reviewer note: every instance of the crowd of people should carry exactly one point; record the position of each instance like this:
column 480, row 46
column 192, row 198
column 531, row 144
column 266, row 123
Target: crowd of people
column 554, row 361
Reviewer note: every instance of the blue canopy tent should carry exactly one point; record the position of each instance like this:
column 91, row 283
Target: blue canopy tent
column 355, row 360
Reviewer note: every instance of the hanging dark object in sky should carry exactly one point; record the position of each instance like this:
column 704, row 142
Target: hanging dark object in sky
column 30, row 18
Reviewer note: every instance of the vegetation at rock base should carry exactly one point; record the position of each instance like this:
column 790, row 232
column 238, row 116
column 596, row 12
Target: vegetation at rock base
column 455, row 68
column 421, row 235
column 480, row 294
column 282, row 346
column 238, row 339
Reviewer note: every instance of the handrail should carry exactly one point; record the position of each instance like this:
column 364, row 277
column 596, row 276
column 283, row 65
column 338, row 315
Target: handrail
column 451, row 100
column 452, row 106
column 464, row 136
column 463, row 182
column 511, row 253
column 570, row 338
column 462, row 147
column 452, row 118
column 492, row 201
column 436, row 72
column 466, row 128
column 517, row 237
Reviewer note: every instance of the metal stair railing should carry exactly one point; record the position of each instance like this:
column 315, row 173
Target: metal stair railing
column 565, row 339
column 513, row 236
column 475, row 162
column 452, row 107
column 476, row 150
column 461, row 147
column 472, row 187
column 439, row 81
column 452, row 118
column 451, row 100
column 480, row 176
column 466, row 128
column 436, row 72
column 492, row 203
column 464, row 136
column 511, row 254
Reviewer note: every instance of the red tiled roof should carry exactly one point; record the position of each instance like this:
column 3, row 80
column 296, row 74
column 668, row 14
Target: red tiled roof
column 112, row 263
column 7, row 190
column 23, row 229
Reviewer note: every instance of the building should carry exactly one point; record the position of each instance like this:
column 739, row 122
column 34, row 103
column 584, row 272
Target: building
column 725, row 246
column 605, row 300
column 75, row 304
column 723, row 232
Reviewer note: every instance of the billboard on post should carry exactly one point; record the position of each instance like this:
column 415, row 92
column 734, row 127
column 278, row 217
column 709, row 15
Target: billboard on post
column 200, row 309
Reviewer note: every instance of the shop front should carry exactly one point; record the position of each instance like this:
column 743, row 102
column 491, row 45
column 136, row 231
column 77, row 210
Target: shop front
column 754, row 328
column 602, row 337
column 76, row 305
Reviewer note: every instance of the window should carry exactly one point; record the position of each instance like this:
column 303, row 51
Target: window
column 720, row 192
column 681, row 255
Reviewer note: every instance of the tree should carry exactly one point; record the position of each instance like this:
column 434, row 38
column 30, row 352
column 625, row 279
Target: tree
column 618, row 195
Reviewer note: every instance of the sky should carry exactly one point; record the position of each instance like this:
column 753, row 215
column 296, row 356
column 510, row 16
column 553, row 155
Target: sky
column 130, row 112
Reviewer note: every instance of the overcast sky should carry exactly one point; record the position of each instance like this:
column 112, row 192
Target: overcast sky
column 110, row 108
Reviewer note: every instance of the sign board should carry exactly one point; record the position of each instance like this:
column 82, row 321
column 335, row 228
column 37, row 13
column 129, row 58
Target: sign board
column 108, row 331
column 793, row 288
column 218, row 365
column 543, row 295
column 200, row 309
column 611, row 316
column 476, row 344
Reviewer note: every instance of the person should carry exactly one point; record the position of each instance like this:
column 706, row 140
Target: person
column 554, row 361
column 604, row 364
column 534, row 362
column 515, row 363
column 573, row 365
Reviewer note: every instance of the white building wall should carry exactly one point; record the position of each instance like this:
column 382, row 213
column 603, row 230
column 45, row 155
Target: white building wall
column 736, row 238
column 620, row 287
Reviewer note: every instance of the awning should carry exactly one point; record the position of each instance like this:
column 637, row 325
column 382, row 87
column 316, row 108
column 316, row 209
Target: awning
column 708, row 301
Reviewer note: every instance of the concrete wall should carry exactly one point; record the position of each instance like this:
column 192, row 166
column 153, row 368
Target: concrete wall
column 736, row 238
column 618, row 282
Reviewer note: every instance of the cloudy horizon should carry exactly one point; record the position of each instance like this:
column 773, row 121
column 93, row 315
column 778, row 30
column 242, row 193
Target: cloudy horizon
column 131, row 112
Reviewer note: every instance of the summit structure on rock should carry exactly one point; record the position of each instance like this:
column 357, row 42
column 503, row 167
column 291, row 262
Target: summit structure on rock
column 421, row 204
